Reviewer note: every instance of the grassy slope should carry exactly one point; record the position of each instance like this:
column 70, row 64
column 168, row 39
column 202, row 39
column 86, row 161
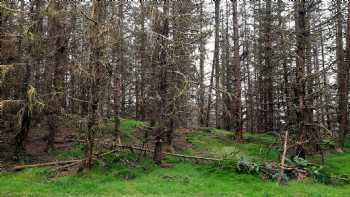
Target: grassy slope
column 184, row 179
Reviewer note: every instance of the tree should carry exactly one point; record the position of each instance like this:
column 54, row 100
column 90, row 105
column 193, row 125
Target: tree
column 56, row 33
column 141, row 85
column 161, row 28
column 237, row 108
column 303, row 112
column 268, row 70
column 201, row 91
column 215, row 69
column 96, row 74
column 33, row 45
column 342, row 79
column 118, row 70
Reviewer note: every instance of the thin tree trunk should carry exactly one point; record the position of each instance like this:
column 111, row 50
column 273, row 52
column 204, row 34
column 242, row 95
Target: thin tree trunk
column 201, row 69
column 216, row 63
column 325, row 85
column 269, row 97
column 237, row 109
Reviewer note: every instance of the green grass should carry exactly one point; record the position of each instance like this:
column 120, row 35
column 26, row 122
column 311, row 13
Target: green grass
column 219, row 143
column 184, row 179
column 131, row 175
column 338, row 163
column 74, row 152
column 126, row 126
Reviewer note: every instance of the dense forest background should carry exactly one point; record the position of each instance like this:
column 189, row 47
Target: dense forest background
column 273, row 66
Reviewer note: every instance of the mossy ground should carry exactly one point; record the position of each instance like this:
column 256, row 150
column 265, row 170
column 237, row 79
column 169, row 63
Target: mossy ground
column 132, row 175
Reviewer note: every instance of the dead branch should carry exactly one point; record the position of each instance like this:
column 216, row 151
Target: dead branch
column 132, row 148
column 21, row 167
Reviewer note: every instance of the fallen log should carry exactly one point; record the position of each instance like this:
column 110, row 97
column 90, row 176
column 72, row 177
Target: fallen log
column 165, row 153
column 21, row 167
column 67, row 166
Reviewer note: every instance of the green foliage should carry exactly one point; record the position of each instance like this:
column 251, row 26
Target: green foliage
column 319, row 173
column 328, row 143
column 298, row 162
column 247, row 167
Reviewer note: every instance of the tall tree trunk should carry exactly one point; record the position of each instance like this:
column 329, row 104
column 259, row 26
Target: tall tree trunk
column 303, row 114
column 118, row 70
column 163, row 85
column 201, row 69
column 96, row 72
column 342, row 79
column 227, row 71
column 261, row 112
column 216, row 63
column 237, row 109
column 268, row 71
column 300, row 61
column 311, row 132
column 34, row 48
column 247, row 58
column 56, row 33
column 141, row 105
column 214, row 70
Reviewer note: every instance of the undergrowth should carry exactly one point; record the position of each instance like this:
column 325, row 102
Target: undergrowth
column 134, row 175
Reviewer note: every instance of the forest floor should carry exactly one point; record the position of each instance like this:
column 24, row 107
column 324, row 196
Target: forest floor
column 129, row 174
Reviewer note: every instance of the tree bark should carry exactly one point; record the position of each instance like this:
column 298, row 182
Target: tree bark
column 163, row 84
column 342, row 79
column 217, row 65
column 268, row 71
column 303, row 114
column 56, row 33
column 201, row 103
column 96, row 72
column 237, row 109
